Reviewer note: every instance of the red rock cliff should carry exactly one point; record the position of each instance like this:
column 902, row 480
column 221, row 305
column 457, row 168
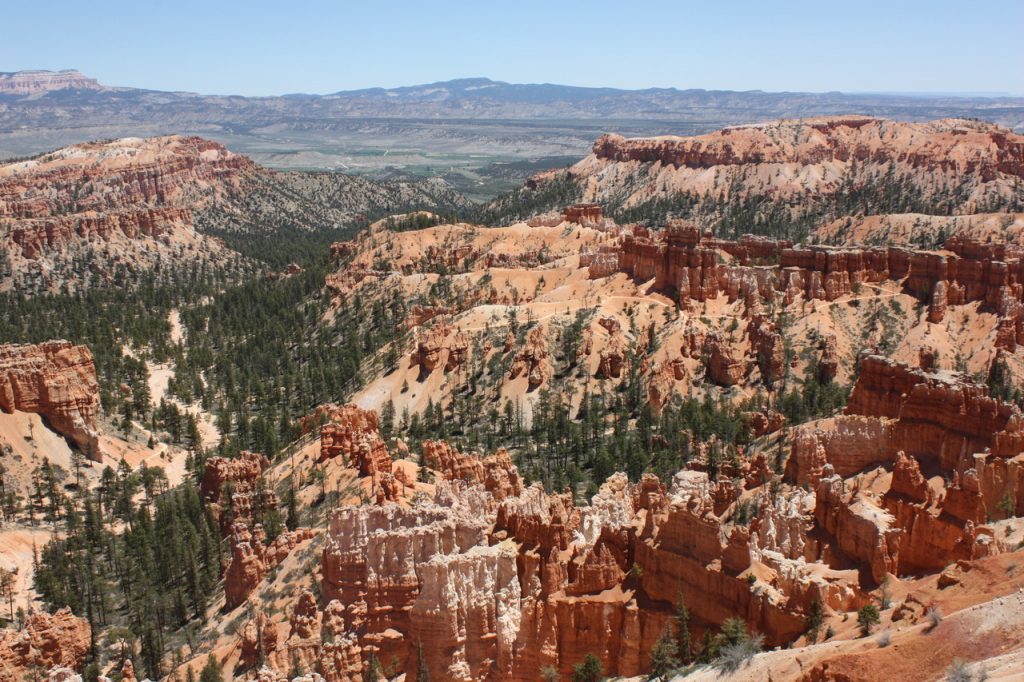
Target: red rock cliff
column 58, row 381
column 960, row 146
column 108, row 197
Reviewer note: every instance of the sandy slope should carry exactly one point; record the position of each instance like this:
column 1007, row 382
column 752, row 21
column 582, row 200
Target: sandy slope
column 17, row 544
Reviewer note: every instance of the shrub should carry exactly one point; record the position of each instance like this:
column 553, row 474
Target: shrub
column 549, row 673
column 867, row 616
column 958, row 672
column 884, row 639
column 589, row 670
column 934, row 616
column 732, row 656
column 735, row 645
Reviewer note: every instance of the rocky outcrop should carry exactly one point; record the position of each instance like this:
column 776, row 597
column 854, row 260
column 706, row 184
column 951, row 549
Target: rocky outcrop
column 847, row 443
column 143, row 174
column 954, row 146
column 936, row 529
column 46, row 641
column 682, row 259
column 341, row 250
column 441, row 346
column 863, row 532
column 602, row 263
column 302, row 647
column 491, row 579
column 910, row 418
column 763, row 422
column 767, row 347
column 485, row 588
column 246, row 568
column 939, row 302
column 898, row 412
column 61, row 674
column 613, row 355
column 468, row 611
column 582, row 214
column 258, row 640
column 533, row 361
column 316, row 641
column 240, row 473
column 939, row 415
column 907, row 481
column 421, row 314
column 252, row 558
column 1002, row 484
column 927, row 357
column 353, row 433
column 371, row 562
column 725, row 366
column 58, row 381
column 661, row 384
column 495, row 473
column 234, row 491
column 828, row 359
column 696, row 266
column 689, row 551
column 128, row 671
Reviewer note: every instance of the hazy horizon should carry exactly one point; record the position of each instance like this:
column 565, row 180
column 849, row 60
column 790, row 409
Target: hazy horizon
column 263, row 49
column 884, row 93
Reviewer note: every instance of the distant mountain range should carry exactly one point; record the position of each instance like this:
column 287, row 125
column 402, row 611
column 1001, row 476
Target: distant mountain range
column 457, row 126
column 28, row 93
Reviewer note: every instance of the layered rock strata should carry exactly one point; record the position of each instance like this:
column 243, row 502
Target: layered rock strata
column 490, row 580
column 58, row 381
column 695, row 266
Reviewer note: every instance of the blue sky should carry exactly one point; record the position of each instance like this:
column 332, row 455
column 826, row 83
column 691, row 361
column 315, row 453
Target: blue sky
column 266, row 48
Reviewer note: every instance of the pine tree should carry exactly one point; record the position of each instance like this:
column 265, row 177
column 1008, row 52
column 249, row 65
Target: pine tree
column 814, row 620
column 867, row 616
column 422, row 672
column 374, row 669
column 684, row 645
column 709, row 648
column 7, row 580
column 211, row 671
column 292, row 520
column 665, row 654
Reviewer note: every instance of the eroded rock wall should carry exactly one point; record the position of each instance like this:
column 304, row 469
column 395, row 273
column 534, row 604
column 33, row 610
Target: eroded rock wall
column 58, row 381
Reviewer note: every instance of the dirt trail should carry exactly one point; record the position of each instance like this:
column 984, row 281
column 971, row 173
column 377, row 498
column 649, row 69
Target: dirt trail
column 16, row 552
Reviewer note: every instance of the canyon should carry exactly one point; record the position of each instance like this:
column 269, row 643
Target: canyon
column 553, row 435
column 480, row 576
column 109, row 211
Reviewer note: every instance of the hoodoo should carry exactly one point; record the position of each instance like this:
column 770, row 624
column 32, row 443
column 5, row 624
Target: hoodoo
column 689, row 407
